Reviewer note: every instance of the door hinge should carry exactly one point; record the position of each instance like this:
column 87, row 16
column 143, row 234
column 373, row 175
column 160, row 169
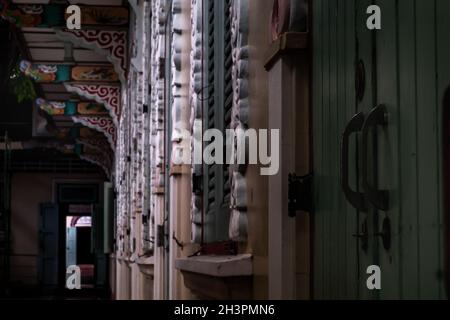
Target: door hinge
column 300, row 194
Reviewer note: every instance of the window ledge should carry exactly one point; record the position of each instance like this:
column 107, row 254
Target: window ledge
column 178, row 170
column 158, row 190
column 217, row 266
column 146, row 265
column 146, row 261
column 122, row 258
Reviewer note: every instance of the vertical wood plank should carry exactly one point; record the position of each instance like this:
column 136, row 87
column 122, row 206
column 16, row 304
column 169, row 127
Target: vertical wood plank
column 365, row 53
column 326, row 189
column 427, row 141
column 443, row 82
column 333, row 154
column 318, row 247
column 341, row 116
column 408, row 196
column 351, row 215
column 388, row 144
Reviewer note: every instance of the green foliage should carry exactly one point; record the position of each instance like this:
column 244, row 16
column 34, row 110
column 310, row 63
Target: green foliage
column 21, row 85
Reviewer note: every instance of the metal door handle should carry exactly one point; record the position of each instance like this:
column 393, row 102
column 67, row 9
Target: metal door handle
column 355, row 198
column 379, row 198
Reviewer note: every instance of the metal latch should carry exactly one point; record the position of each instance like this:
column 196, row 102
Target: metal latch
column 300, row 194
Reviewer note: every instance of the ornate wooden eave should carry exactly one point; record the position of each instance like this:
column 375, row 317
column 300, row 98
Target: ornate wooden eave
column 108, row 95
column 80, row 68
column 103, row 125
column 110, row 43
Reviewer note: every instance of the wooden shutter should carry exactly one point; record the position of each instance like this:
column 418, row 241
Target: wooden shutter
column 228, row 94
column 211, row 172
column 218, row 96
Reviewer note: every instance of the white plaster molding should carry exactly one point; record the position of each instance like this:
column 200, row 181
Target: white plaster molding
column 218, row 266
column 180, row 81
column 196, row 125
column 157, row 43
column 240, row 115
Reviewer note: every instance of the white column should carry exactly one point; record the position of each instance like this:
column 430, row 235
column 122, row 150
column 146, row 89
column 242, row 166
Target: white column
column 282, row 262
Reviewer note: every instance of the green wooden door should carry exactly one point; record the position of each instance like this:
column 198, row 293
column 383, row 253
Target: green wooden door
column 401, row 72
column 412, row 73
column 48, row 246
column 336, row 261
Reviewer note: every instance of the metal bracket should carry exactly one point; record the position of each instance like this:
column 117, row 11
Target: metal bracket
column 300, row 194
column 363, row 236
column 386, row 234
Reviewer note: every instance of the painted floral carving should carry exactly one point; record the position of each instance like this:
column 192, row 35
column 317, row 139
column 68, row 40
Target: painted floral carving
column 91, row 108
column 112, row 16
column 32, row 15
column 45, row 73
column 54, row 14
column 94, row 73
column 53, row 108
column 21, row 16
